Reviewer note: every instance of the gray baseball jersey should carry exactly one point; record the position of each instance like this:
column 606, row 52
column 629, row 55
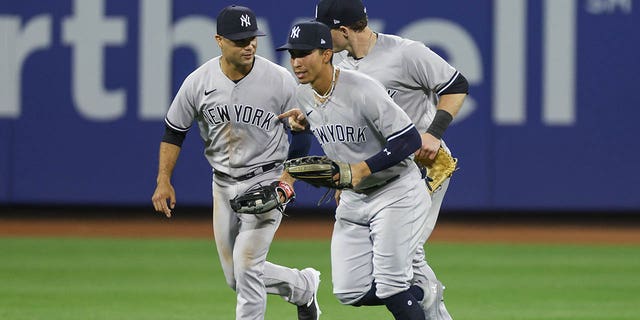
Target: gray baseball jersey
column 412, row 74
column 241, row 131
column 353, row 134
column 238, row 122
column 352, row 125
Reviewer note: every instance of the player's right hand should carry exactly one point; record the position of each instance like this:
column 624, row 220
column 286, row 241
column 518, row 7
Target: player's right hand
column 297, row 120
column 164, row 191
column 429, row 148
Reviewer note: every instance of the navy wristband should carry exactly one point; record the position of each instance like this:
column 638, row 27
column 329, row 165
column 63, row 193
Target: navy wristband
column 440, row 123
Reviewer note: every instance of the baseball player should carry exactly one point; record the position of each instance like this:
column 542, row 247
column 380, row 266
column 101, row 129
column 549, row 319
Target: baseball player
column 377, row 232
column 246, row 144
column 423, row 84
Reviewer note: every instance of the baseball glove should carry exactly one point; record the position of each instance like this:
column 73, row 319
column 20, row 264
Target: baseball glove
column 320, row 171
column 439, row 169
column 261, row 199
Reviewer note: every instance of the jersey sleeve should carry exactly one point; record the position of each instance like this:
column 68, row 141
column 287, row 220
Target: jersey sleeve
column 427, row 68
column 183, row 108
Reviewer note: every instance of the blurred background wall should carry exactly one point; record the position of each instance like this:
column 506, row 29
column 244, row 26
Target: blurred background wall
column 550, row 122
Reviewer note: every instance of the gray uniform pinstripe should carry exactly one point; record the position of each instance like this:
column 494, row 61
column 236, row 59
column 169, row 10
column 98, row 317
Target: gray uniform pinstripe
column 239, row 125
column 413, row 76
column 376, row 234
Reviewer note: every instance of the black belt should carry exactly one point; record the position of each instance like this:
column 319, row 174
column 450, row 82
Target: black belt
column 249, row 175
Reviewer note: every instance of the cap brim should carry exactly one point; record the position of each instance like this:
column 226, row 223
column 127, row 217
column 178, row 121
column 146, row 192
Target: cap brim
column 245, row 35
column 297, row 46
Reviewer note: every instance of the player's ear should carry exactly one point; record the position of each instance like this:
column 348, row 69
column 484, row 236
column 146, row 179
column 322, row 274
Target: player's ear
column 344, row 31
column 327, row 55
column 218, row 40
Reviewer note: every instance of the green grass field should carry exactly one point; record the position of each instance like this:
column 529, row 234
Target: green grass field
column 67, row 278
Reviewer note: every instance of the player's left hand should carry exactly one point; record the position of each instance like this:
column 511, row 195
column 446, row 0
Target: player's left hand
column 359, row 171
column 285, row 192
column 297, row 121
column 288, row 181
column 429, row 148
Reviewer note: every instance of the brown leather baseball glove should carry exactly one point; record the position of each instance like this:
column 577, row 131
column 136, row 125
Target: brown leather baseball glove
column 439, row 169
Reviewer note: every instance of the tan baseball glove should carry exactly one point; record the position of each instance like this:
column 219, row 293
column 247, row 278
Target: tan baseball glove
column 320, row 171
column 439, row 169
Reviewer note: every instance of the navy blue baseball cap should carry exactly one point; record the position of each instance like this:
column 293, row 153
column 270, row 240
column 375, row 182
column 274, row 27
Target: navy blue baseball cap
column 336, row 13
column 308, row 36
column 237, row 22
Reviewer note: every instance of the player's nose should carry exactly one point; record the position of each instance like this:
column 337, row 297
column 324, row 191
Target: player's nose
column 296, row 62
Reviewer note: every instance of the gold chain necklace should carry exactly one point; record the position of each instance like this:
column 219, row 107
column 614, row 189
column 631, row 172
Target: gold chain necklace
column 330, row 90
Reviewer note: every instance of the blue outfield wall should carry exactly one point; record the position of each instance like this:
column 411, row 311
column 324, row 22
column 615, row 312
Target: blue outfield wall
column 550, row 122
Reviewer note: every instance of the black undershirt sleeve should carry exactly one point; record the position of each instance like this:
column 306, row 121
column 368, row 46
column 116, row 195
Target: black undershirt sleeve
column 173, row 137
column 300, row 143
column 459, row 85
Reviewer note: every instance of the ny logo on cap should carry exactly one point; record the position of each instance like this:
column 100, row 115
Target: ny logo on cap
column 295, row 32
column 245, row 20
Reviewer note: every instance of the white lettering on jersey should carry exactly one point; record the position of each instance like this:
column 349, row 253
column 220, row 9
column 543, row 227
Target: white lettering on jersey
column 257, row 117
column 216, row 115
column 332, row 133
column 253, row 116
